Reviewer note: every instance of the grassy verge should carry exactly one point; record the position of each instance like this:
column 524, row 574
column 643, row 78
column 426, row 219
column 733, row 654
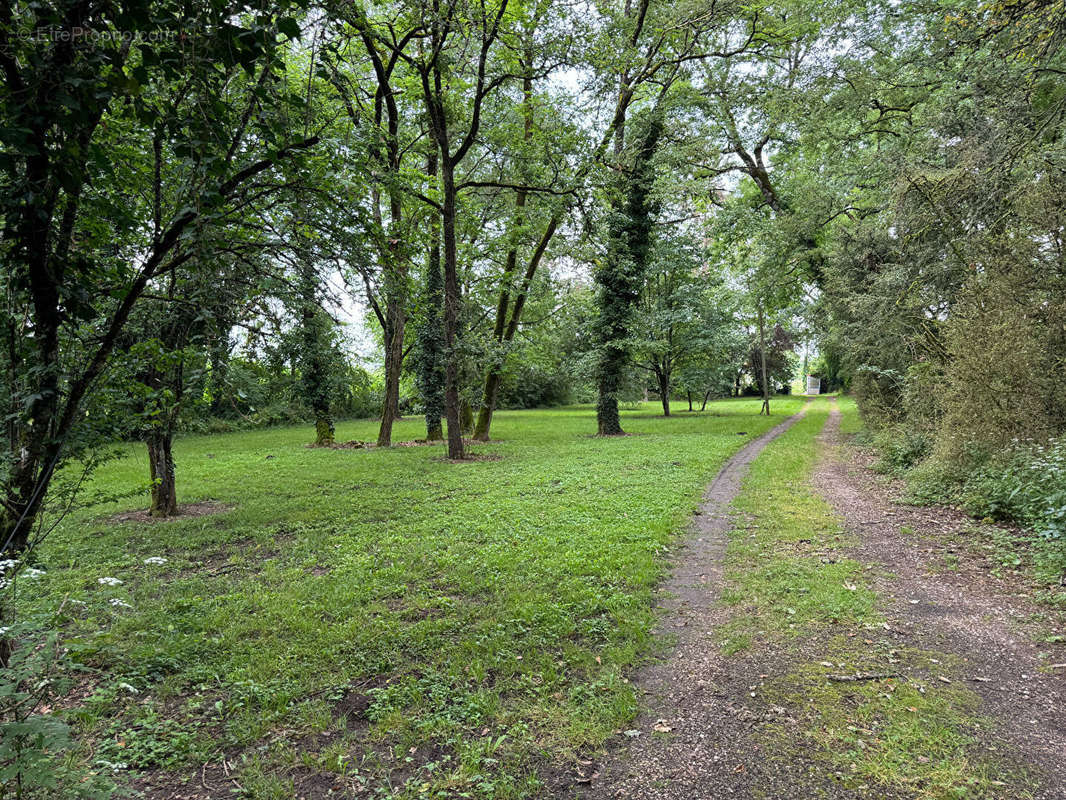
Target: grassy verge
column 881, row 718
column 785, row 563
column 382, row 620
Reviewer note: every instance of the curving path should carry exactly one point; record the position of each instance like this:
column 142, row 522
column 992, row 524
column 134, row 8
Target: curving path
column 687, row 695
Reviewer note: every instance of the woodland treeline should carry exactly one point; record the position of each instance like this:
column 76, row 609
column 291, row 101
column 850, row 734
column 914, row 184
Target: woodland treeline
column 535, row 202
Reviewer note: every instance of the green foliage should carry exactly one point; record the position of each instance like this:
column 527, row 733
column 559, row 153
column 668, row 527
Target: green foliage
column 38, row 758
column 148, row 739
column 685, row 320
column 901, row 447
column 1027, row 484
column 530, row 385
column 943, row 297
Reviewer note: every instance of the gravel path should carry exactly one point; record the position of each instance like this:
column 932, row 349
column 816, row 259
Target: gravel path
column 695, row 720
column 937, row 594
column 697, row 738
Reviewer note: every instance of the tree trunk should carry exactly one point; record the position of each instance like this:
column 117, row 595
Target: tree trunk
column 504, row 332
column 395, row 319
column 17, row 517
column 664, row 390
column 161, row 469
column 620, row 277
column 390, row 409
column 451, row 309
column 488, row 404
column 762, row 362
column 324, row 431
column 706, row 397
column 434, row 430
column 689, row 394
column 314, row 366
column 608, row 422
column 430, row 341
column 466, row 416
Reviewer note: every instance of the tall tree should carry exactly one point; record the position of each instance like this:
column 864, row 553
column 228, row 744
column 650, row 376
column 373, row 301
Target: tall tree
column 82, row 250
column 661, row 43
column 454, row 124
column 429, row 349
column 620, row 277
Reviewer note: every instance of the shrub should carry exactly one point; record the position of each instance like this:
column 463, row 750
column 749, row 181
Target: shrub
column 37, row 754
column 901, row 447
column 1026, row 485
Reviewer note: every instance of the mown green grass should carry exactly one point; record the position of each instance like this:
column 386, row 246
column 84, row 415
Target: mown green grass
column 484, row 613
column 850, row 421
column 917, row 733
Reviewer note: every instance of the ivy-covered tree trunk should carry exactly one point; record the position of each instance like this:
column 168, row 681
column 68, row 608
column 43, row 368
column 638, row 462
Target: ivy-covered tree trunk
column 161, row 470
column 315, row 357
column 466, row 416
column 620, row 276
column 324, row 430
column 431, row 351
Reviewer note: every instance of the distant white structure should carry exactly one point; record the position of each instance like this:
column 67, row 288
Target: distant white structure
column 814, row 385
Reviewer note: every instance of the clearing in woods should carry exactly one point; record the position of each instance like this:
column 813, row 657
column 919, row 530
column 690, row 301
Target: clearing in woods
column 355, row 622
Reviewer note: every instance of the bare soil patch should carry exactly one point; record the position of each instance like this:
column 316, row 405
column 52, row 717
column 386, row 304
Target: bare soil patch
column 185, row 511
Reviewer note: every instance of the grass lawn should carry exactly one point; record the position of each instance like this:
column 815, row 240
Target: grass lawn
column 382, row 619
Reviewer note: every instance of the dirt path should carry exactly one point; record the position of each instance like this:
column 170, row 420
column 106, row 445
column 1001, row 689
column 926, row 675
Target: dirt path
column 688, row 733
column 938, row 594
column 701, row 734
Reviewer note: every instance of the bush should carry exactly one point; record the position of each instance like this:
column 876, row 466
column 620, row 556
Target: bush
column 900, row 447
column 532, row 386
column 37, row 754
column 878, row 392
column 1007, row 352
column 1026, row 485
